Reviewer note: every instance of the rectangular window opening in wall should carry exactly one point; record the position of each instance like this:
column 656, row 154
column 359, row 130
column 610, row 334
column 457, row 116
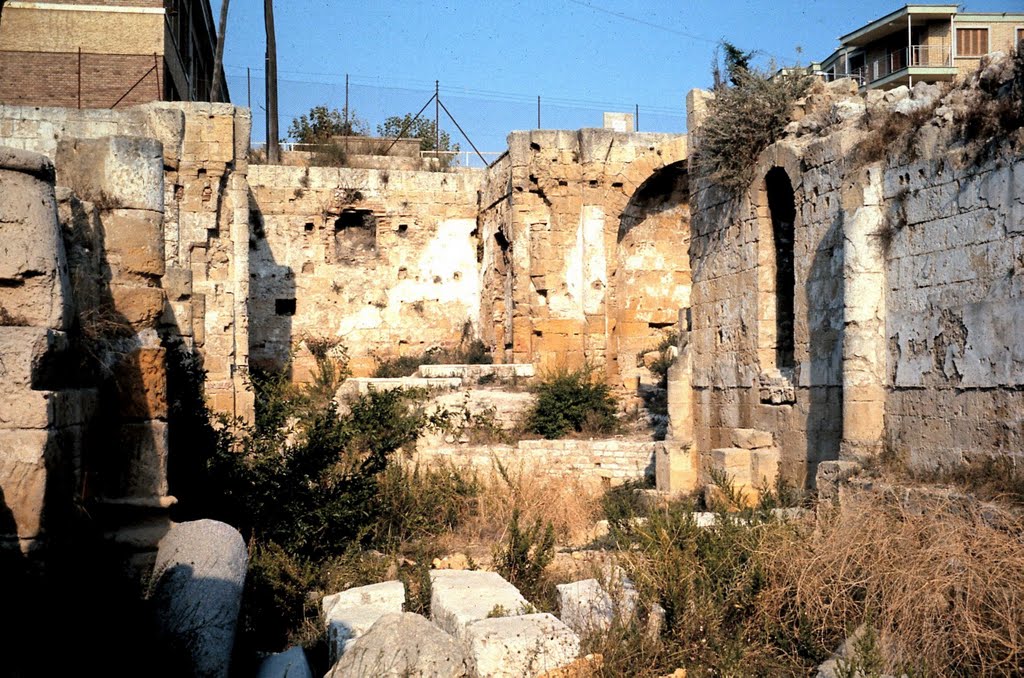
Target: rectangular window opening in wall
column 971, row 42
column 308, row 227
column 284, row 306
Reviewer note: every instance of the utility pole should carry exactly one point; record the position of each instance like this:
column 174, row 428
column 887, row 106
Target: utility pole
column 218, row 59
column 437, row 118
column 273, row 149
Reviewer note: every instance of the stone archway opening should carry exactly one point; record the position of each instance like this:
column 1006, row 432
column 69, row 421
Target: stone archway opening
column 650, row 283
column 782, row 209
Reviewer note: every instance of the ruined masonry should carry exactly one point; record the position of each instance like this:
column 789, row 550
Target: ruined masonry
column 832, row 309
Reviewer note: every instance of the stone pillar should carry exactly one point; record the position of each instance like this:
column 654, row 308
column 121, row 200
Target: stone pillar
column 39, row 426
column 127, row 466
column 864, row 349
column 675, row 459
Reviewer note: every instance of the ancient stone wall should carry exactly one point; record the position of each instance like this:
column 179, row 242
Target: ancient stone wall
column 206, row 219
column 597, row 464
column 954, row 308
column 384, row 261
column 841, row 305
column 585, row 235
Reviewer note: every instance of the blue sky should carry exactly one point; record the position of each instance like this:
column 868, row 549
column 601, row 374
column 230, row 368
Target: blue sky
column 494, row 57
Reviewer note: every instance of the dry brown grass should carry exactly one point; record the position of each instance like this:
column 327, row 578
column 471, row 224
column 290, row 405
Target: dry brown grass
column 940, row 578
column 569, row 505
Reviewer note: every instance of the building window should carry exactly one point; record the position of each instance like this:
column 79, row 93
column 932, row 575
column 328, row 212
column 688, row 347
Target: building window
column 971, row 41
column 1020, row 38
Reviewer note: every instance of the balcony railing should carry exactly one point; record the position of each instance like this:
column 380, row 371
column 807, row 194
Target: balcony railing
column 898, row 60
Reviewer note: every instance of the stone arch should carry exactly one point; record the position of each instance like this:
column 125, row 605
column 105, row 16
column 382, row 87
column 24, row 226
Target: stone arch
column 781, row 280
column 650, row 281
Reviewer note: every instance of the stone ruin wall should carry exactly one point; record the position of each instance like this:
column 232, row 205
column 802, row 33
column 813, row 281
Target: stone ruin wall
column 585, row 248
column 384, row 261
column 571, row 247
column 907, row 303
column 205, row 221
column 136, row 252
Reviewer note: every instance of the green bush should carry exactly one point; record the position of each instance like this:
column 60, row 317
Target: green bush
column 572, row 401
column 467, row 353
column 522, row 559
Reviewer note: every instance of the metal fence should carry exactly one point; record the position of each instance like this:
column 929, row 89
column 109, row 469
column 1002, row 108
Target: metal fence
column 486, row 116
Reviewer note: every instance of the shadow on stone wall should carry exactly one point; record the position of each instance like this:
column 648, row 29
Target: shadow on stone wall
column 824, row 315
column 272, row 301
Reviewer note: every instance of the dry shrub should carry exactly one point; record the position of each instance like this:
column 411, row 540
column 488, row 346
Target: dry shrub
column 892, row 134
column 569, row 505
column 940, row 578
column 744, row 120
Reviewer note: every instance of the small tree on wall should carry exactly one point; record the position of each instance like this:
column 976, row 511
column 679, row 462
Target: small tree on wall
column 421, row 128
column 321, row 123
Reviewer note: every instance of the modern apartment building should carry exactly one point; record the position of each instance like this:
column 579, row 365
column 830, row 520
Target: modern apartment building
column 917, row 43
column 106, row 53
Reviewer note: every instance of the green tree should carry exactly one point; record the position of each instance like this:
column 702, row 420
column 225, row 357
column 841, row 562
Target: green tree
column 422, row 128
column 322, row 123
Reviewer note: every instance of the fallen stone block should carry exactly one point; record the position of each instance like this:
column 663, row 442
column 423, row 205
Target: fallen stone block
column 199, row 574
column 289, row 664
column 388, row 593
column 460, row 597
column 351, row 613
column 585, row 606
column 402, row 644
column 527, row 645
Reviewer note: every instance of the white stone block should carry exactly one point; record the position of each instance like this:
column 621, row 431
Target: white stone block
column 513, row 647
column 461, row 597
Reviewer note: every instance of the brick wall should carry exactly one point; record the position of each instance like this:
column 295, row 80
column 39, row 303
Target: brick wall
column 52, row 79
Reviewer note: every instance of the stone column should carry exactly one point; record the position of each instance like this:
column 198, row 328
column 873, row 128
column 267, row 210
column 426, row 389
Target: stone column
column 127, row 466
column 864, row 350
column 39, row 440
column 675, row 466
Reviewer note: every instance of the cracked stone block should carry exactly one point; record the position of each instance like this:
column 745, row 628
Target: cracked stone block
column 349, row 614
column 460, row 597
column 527, row 645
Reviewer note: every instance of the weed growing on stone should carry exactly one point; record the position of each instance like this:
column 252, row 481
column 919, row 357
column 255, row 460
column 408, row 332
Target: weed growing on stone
column 572, row 401
column 742, row 121
column 524, row 555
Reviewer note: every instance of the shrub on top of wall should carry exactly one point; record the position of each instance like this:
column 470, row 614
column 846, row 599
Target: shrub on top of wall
column 743, row 120
column 572, row 401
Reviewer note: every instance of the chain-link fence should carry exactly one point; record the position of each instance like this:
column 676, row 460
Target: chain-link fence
column 486, row 116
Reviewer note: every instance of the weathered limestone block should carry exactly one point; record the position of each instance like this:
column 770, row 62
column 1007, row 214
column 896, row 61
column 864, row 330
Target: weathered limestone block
column 199, row 574
column 140, row 307
column 675, row 472
column 114, row 172
column 291, row 663
column 512, row 647
column 460, row 597
column 135, row 466
column 751, row 439
column 134, row 241
column 402, row 644
column 585, row 607
column 32, row 356
column 735, row 462
column 349, row 614
column 26, row 457
column 141, row 378
column 33, row 270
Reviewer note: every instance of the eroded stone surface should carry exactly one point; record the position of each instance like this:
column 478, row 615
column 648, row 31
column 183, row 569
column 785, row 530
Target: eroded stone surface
column 528, row 645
